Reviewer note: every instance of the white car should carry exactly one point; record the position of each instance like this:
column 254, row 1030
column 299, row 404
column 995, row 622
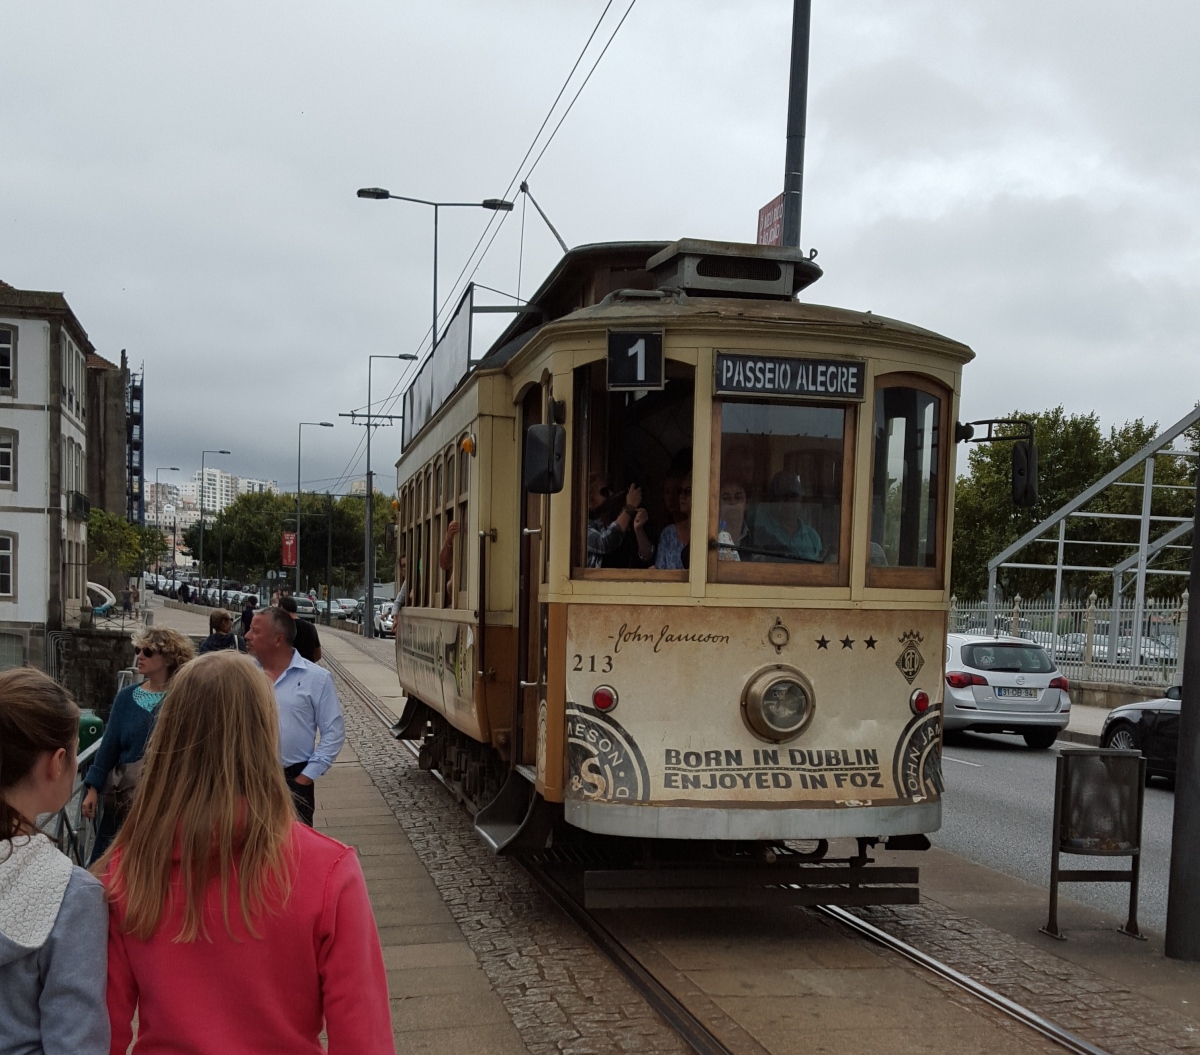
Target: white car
column 1004, row 685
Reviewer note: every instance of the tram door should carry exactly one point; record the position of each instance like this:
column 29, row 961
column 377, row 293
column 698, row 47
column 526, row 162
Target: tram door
column 531, row 640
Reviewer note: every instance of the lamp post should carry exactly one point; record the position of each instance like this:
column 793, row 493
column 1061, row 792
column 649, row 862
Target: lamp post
column 369, row 538
column 495, row 204
column 203, row 454
column 299, row 435
column 158, row 510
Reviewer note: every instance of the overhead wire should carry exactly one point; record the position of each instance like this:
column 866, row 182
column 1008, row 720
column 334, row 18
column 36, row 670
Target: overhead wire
column 496, row 220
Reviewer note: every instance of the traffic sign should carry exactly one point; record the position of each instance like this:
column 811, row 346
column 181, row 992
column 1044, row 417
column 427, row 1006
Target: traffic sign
column 635, row 360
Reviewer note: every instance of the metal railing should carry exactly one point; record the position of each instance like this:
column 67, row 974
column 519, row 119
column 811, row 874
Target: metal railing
column 69, row 829
column 1097, row 641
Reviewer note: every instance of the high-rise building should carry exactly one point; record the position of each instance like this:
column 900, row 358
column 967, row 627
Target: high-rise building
column 255, row 487
column 216, row 490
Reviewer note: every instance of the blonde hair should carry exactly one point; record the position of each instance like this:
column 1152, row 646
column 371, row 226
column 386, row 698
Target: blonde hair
column 212, row 790
column 176, row 648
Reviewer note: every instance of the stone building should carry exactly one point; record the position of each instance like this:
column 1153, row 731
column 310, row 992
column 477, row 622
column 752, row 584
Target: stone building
column 44, row 505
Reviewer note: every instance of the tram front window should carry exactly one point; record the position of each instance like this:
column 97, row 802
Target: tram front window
column 633, row 451
column 781, row 484
column 906, row 478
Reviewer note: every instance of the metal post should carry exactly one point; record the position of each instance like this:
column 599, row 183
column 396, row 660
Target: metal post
column 202, row 514
column 1114, row 624
column 368, row 627
column 793, row 166
column 1139, row 602
column 1062, row 536
column 174, row 550
column 220, row 559
column 328, row 558
column 1089, row 637
column 299, row 439
column 433, row 337
column 1183, row 897
column 991, row 601
column 1051, row 926
column 1181, row 638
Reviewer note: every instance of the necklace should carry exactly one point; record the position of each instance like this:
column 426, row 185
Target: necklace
column 146, row 699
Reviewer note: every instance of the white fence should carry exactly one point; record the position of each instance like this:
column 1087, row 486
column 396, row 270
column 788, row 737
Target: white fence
column 1096, row 641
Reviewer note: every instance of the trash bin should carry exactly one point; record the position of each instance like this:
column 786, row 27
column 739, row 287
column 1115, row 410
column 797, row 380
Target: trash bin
column 91, row 728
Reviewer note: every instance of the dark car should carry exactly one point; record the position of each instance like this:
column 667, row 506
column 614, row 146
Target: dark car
column 1151, row 727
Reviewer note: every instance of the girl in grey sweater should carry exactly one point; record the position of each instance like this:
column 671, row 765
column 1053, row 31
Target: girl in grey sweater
column 53, row 917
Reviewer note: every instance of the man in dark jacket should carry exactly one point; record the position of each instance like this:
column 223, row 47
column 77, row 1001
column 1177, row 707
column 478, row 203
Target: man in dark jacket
column 248, row 614
column 220, row 634
column 308, row 641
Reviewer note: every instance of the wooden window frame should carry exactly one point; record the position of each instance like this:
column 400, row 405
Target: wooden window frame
column 765, row 573
column 12, row 539
column 889, row 578
column 12, row 439
column 11, row 388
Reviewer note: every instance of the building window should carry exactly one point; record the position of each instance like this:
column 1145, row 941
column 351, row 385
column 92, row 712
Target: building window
column 8, row 361
column 8, row 566
column 8, row 459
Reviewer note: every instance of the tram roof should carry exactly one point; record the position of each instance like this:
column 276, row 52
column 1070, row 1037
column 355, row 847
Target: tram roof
column 588, row 283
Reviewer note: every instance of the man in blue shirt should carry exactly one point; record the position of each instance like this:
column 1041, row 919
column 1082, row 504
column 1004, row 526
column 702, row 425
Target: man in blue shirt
column 308, row 706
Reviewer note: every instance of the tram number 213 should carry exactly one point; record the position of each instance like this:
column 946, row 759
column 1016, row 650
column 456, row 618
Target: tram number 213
column 593, row 664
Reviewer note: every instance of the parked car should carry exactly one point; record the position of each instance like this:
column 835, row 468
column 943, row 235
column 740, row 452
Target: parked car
column 385, row 626
column 1004, row 685
column 305, row 608
column 1152, row 727
column 351, row 609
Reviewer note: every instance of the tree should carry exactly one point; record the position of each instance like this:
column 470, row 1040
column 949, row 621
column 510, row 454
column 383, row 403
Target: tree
column 1073, row 452
column 248, row 535
column 121, row 548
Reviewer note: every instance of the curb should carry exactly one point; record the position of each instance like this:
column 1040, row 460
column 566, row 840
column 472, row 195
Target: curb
column 1073, row 737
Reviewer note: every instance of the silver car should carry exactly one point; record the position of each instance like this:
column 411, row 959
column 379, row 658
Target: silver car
column 1004, row 685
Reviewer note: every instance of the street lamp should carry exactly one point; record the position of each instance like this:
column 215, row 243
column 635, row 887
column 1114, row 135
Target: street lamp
column 299, row 435
column 369, row 519
column 495, row 204
column 158, row 509
column 202, row 456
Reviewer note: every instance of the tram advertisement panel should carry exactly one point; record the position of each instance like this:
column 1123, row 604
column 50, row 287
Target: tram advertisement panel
column 686, row 682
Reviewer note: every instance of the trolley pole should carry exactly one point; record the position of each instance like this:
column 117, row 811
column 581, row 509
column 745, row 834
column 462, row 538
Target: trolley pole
column 793, row 166
column 1183, row 898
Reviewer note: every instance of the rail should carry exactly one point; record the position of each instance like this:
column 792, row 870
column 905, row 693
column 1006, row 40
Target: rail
column 69, row 829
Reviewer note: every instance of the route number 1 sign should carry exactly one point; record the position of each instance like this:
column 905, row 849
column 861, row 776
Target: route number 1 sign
column 635, row 360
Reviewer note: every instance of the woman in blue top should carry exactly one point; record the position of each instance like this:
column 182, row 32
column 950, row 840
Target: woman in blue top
column 160, row 652
column 675, row 541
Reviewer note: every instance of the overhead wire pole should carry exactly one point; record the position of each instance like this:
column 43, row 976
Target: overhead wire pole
column 793, row 165
column 299, row 434
column 1183, row 892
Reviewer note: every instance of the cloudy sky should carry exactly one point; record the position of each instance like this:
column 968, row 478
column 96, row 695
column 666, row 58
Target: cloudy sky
column 1024, row 177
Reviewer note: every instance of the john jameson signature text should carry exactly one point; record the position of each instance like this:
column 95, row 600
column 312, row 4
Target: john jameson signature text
column 625, row 636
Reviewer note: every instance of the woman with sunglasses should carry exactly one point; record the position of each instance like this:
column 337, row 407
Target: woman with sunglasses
column 160, row 652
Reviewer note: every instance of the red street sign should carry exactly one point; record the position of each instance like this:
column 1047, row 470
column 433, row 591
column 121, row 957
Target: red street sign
column 770, row 222
column 289, row 549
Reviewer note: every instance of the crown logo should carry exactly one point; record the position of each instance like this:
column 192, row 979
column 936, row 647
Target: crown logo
column 910, row 637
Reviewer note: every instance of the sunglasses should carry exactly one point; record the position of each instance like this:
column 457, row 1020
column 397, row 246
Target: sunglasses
column 149, row 653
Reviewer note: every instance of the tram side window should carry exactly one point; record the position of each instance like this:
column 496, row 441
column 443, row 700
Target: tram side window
column 781, row 478
column 906, row 481
column 641, row 440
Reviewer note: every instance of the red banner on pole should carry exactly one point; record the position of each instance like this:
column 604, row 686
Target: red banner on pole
column 289, row 549
column 770, row 222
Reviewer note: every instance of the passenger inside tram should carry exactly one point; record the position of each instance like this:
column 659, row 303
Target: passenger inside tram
column 674, row 543
column 780, row 498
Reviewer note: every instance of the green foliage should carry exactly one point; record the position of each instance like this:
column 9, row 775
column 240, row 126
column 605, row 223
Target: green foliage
column 248, row 535
column 1073, row 452
column 120, row 546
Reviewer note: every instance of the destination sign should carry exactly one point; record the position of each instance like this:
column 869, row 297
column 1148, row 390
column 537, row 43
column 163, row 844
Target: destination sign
column 739, row 374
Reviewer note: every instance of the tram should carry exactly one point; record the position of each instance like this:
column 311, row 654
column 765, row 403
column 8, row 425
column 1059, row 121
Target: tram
column 698, row 585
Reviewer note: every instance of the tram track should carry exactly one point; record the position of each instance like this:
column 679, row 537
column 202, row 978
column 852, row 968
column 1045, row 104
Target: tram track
column 690, row 1028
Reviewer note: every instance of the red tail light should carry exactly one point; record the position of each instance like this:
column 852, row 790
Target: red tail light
column 604, row 698
column 958, row 679
column 1060, row 683
column 919, row 701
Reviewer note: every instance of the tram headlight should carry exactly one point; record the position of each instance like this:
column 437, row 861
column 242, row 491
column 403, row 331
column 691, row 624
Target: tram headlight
column 778, row 703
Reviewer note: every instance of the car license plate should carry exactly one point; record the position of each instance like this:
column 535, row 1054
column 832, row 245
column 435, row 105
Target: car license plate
column 1019, row 694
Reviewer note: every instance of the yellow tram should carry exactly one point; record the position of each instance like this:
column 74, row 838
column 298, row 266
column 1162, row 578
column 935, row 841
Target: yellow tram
column 700, row 580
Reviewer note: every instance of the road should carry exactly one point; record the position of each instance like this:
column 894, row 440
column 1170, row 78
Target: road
column 999, row 808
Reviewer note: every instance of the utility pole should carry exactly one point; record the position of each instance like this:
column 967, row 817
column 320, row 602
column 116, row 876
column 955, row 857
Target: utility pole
column 1183, row 896
column 328, row 558
column 793, row 165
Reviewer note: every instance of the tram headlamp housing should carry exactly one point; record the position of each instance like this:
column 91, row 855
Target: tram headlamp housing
column 778, row 703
